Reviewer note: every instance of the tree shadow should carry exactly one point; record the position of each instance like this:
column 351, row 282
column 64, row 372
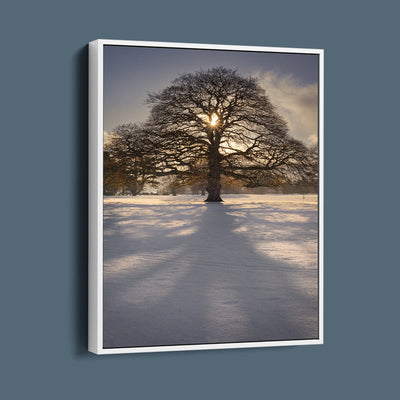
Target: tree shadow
column 212, row 287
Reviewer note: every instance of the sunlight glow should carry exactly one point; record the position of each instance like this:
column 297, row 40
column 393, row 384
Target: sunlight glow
column 214, row 120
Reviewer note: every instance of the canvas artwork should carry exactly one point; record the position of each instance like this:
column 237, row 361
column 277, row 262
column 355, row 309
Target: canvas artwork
column 205, row 196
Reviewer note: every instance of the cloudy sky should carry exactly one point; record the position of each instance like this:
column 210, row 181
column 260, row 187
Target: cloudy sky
column 290, row 81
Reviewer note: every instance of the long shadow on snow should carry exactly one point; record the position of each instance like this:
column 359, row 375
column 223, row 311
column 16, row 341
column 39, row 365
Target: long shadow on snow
column 120, row 241
column 215, row 288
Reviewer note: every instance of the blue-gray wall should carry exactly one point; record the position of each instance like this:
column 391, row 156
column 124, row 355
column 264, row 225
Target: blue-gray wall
column 43, row 166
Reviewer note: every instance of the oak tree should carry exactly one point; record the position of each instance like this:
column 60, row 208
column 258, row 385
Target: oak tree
column 225, row 122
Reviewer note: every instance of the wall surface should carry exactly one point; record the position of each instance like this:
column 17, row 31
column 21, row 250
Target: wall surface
column 43, row 166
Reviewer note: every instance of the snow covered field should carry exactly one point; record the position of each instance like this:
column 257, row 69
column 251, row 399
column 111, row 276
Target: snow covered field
column 181, row 271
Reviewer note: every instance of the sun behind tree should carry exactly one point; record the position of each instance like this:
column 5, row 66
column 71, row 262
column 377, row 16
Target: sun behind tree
column 228, row 121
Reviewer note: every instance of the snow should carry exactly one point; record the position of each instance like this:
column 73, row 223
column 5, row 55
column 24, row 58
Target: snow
column 181, row 271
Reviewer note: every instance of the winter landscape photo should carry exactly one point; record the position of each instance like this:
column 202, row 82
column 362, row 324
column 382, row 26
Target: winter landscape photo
column 211, row 196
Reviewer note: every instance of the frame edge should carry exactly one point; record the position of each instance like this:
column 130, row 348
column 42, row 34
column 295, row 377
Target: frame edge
column 95, row 195
column 95, row 287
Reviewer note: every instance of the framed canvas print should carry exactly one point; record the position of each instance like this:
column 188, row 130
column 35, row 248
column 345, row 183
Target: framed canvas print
column 205, row 196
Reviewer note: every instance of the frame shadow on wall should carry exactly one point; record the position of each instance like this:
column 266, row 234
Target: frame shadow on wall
column 80, row 273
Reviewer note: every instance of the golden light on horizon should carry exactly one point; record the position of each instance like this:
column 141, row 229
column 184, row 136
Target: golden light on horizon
column 214, row 120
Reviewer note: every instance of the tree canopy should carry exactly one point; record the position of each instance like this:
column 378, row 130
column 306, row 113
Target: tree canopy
column 129, row 162
column 215, row 123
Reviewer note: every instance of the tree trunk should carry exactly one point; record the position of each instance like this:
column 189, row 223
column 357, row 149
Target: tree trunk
column 134, row 189
column 214, row 175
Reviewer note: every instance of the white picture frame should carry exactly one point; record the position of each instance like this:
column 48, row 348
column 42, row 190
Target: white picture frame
column 96, row 129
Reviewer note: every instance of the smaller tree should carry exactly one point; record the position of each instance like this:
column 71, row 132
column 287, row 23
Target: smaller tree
column 114, row 176
column 195, row 177
column 130, row 152
column 172, row 185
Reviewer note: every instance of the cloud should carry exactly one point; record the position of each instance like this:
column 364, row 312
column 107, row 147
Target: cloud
column 296, row 102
